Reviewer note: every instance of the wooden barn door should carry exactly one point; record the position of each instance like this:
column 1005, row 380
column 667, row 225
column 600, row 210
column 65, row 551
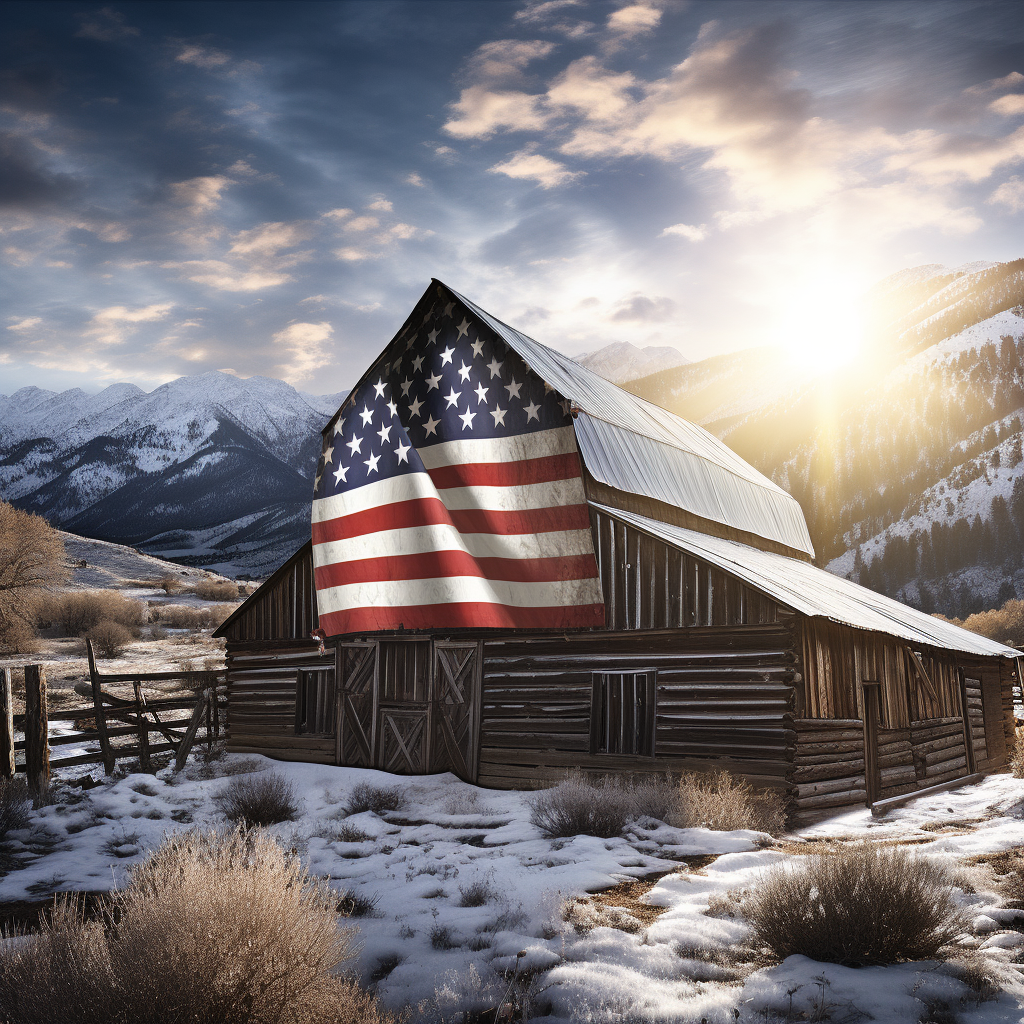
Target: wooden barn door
column 403, row 722
column 455, row 708
column 357, row 672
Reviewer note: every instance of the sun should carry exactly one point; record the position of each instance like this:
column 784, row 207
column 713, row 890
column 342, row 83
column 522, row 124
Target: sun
column 820, row 323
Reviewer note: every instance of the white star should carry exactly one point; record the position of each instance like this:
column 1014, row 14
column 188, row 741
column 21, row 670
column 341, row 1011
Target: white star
column 513, row 389
column 339, row 425
column 393, row 409
column 481, row 394
column 384, row 434
column 417, row 364
column 452, row 398
column 355, row 445
column 342, row 475
column 495, row 367
column 478, row 348
column 379, row 387
column 463, row 327
column 366, row 415
column 371, row 464
column 448, row 309
column 414, row 407
column 446, row 356
column 432, row 381
column 464, row 372
column 467, row 419
column 406, row 384
column 499, row 416
column 433, row 335
column 328, row 455
column 431, row 425
column 402, row 451
column 316, row 483
column 531, row 412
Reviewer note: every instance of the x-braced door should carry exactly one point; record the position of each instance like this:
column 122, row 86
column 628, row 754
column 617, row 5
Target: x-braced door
column 456, row 708
column 357, row 670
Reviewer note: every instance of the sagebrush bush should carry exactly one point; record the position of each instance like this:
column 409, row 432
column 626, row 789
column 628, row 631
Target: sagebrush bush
column 655, row 796
column 110, row 639
column 858, row 905
column 263, row 799
column 579, row 807
column 217, row 590
column 367, row 797
column 720, row 801
column 15, row 801
column 211, row 929
column 75, row 612
column 183, row 616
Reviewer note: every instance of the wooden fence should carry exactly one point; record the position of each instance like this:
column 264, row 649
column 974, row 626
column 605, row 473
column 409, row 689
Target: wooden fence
column 139, row 717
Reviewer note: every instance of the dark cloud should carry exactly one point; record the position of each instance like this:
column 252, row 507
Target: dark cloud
column 644, row 309
column 25, row 182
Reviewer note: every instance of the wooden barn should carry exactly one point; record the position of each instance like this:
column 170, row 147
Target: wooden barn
column 708, row 639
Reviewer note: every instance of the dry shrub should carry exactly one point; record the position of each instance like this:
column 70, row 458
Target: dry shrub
column 578, row 807
column 212, row 929
column 110, row 639
column 1005, row 625
column 263, row 799
column 1017, row 754
column 720, row 801
column 170, row 584
column 856, row 905
column 183, row 616
column 367, row 797
column 216, row 590
column 75, row 612
column 655, row 796
column 1008, row 867
column 14, row 805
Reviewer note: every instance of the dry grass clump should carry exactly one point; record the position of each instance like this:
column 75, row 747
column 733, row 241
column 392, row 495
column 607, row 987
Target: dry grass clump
column 110, row 639
column 258, row 800
column 1017, row 755
column 216, row 590
column 1008, row 867
column 720, row 801
column 212, row 929
column 15, row 800
column 183, row 616
column 577, row 806
column 367, row 797
column 857, row 905
column 75, row 612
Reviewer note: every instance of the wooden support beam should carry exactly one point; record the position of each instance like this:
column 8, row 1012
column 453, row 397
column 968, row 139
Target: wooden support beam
column 140, row 707
column 100, row 712
column 37, row 747
column 925, row 678
column 6, row 726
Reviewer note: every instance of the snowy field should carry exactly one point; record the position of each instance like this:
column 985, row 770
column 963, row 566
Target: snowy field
column 461, row 888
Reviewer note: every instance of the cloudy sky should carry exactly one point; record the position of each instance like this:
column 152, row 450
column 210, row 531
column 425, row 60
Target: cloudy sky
column 267, row 188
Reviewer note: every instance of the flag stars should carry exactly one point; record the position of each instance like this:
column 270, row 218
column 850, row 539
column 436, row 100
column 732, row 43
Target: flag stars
column 414, row 407
column 432, row 381
column 393, row 409
column 464, row 373
column 452, row 398
column 481, row 394
column 432, row 336
column 405, row 385
column 467, row 419
column 339, row 425
column 366, row 415
column 402, row 451
column 328, row 455
column 431, row 425
column 446, row 356
column 499, row 416
column 371, row 464
column 513, row 388
column 495, row 367
column 355, row 445
column 384, row 434
column 478, row 348
column 417, row 364
column 463, row 328
column 341, row 476
column 531, row 412
column 379, row 388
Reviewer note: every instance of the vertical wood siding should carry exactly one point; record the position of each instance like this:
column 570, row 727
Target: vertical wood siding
column 284, row 607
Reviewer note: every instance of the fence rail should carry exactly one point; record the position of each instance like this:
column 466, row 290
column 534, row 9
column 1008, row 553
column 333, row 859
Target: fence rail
column 141, row 717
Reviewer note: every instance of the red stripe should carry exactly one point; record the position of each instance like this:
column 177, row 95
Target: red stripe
column 469, row 614
column 402, row 515
column 508, row 474
column 428, row 565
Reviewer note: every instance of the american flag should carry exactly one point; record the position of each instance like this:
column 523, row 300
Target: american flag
column 449, row 493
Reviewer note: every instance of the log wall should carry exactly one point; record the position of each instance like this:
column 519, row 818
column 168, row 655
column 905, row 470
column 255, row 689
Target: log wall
column 724, row 699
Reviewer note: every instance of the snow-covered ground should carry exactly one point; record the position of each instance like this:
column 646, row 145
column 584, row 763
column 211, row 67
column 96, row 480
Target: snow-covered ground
column 464, row 887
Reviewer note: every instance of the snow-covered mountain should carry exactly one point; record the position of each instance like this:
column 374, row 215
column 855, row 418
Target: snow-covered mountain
column 620, row 361
column 211, row 470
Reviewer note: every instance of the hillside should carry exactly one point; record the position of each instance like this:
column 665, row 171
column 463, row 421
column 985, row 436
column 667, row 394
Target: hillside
column 907, row 460
column 208, row 470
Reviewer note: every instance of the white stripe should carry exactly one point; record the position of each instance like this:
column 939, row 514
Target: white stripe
column 539, row 445
column 417, row 540
column 419, row 485
column 457, row 589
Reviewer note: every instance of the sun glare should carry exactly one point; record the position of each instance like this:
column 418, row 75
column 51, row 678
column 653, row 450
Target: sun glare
column 821, row 324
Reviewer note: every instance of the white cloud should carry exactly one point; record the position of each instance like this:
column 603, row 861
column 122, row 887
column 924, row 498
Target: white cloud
column 203, row 57
column 365, row 223
column 381, row 204
column 226, row 278
column 30, row 323
column 106, row 25
column 414, row 179
column 695, row 233
column 634, row 20
column 268, row 239
column 351, row 254
column 201, row 195
column 1009, row 194
column 945, row 158
column 505, row 59
column 305, row 350
column 481, row 112
column 586, row 86
column 1011, row 104
column 535, row 167
column 112, row 325
column 340, row 214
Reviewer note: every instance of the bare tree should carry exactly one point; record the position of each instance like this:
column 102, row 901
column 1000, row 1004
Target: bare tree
column 32, row 560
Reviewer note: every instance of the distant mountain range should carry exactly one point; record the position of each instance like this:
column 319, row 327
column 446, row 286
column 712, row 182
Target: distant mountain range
column 620, row 361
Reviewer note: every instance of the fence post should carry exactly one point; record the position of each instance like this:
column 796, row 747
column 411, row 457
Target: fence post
column 6, row 726
column 140, row 705
column 37, row 746
column 101, row 714
column 190, row 734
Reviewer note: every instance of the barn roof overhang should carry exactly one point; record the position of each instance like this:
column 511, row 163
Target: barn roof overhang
column 814, row 592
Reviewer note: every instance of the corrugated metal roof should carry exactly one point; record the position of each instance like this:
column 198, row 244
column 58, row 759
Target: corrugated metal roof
column 634, row 446
column 806, row 588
